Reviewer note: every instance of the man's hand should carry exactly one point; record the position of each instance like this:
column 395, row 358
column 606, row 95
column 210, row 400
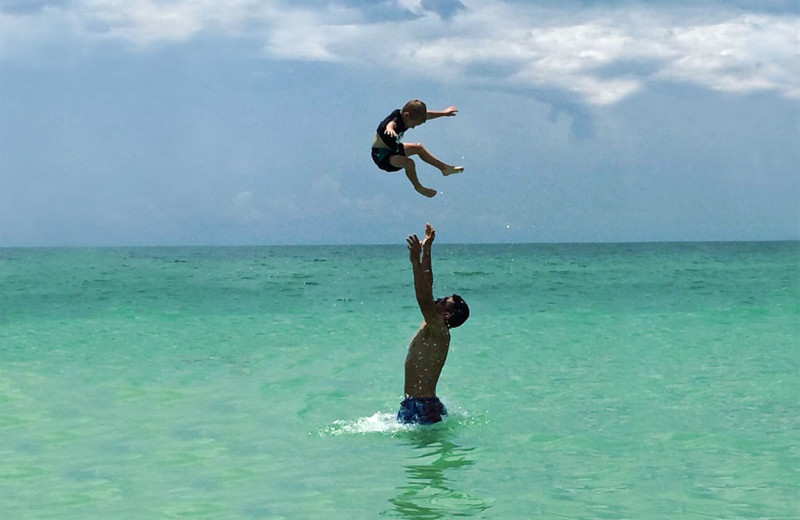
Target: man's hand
column 414, row 247
column 390, row 131
column 430, row 235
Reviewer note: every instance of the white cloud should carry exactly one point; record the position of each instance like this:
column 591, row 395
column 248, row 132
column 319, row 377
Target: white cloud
column 739, row 55
column 306, row 35
column 585, row 52
column 142, row 21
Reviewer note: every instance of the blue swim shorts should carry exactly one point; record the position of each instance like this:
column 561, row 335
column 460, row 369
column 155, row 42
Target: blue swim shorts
column 381, row 157
column 421, row 410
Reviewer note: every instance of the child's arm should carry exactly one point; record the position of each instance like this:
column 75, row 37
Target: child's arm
column 390, row 129
column 448, row 112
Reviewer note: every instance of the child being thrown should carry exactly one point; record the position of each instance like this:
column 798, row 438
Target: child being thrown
column 391, row 155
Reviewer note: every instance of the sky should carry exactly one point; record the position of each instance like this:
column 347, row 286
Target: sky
column 249, row 122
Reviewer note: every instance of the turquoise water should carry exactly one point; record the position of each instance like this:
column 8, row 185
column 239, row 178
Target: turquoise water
column 642, row 381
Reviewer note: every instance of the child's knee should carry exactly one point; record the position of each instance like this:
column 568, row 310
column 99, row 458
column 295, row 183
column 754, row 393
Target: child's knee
column 400, row 161
column 413, row 148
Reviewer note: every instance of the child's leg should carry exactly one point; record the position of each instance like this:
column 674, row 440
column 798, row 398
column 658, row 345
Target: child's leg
column 400, row 161
column 425, row 155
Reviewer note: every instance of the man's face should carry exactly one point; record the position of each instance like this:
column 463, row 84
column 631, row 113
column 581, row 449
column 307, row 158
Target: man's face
column 445, row 304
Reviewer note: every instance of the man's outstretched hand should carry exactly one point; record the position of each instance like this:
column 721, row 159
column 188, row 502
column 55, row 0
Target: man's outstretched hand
column 430, row 235
column 414, row 247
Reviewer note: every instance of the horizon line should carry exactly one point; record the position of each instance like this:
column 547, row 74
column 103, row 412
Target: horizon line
column 399, row 244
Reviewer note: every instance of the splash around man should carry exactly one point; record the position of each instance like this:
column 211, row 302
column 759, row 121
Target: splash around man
column 391, row 155
column 429, row 346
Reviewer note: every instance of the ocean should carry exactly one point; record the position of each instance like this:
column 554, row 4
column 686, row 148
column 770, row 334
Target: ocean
column 592, row 381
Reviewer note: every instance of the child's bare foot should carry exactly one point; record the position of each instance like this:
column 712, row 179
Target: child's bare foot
column 428, row 192
column 450, row 170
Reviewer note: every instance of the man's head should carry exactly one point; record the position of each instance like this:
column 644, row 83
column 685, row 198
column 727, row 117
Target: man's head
column 415, row 113
column 453, row 309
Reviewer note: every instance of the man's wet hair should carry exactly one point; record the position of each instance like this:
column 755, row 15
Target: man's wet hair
column 459, row 314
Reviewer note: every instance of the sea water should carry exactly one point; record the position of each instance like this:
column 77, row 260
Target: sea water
column 638, row 381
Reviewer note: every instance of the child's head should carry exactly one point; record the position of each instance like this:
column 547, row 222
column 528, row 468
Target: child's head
column 415, row 113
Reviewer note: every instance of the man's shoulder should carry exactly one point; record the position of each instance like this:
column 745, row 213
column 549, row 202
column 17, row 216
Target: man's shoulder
column 436, row 327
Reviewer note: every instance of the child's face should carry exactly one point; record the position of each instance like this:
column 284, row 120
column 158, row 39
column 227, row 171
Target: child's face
column 411, row 122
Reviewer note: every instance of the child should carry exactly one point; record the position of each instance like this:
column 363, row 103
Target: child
column 391, row 155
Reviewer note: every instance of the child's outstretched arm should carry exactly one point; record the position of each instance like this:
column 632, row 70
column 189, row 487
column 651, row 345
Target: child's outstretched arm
column 447, row 112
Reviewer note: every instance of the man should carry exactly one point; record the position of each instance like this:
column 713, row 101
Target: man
column 428, row 349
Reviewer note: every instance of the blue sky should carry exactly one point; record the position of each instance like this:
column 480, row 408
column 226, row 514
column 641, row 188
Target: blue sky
column 194, row 122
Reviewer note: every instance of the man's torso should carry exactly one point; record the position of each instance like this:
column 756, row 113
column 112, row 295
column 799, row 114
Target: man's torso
column 425, row 360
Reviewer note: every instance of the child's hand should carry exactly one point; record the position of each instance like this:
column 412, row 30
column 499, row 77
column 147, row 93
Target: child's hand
column 390, row 132
column 450, row 111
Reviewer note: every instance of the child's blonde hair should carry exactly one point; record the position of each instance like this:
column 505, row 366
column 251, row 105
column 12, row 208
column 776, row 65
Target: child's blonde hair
column 417, row 110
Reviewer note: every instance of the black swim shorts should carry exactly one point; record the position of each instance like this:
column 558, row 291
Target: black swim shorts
column 381, row 157
column 421, row 410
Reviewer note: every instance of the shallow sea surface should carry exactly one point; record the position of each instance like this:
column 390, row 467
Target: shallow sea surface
column 604, row 381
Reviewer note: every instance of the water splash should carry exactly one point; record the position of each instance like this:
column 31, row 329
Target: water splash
column 376, row 423
column 386, row 423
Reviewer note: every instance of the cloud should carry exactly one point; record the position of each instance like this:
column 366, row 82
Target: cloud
column 748, row 53
column 25, row 6
column 596, row 55
column 446, row 9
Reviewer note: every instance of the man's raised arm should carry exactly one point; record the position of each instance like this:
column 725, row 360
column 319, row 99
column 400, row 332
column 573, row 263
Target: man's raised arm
column 427, row 269
column 423, row 277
